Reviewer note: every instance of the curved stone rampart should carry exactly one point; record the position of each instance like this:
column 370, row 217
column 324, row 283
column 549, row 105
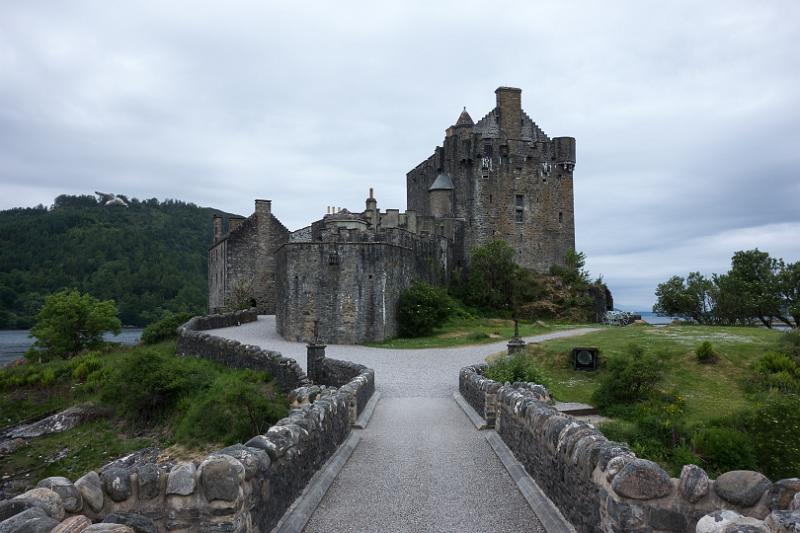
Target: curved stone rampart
column 600, row 485
column 241, row 488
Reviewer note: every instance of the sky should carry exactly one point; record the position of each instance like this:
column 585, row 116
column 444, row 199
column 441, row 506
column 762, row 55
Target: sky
column 686, row 114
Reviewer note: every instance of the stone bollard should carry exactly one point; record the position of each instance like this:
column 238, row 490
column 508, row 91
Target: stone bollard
column 515, row 345
column 315, row 362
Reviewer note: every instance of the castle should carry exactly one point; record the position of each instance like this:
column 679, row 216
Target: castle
column 340, row 278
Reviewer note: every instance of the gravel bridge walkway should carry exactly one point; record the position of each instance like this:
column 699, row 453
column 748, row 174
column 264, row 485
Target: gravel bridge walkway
column 420, row 464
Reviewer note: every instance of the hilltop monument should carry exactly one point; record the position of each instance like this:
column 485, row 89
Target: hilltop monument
column 501, row 178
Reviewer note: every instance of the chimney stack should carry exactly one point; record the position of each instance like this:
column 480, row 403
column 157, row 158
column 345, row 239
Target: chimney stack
column 509, row 105
column 217, row 228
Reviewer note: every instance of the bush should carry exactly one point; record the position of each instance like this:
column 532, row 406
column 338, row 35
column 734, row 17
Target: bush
column 705, row 353
column 164, row 329
column 773, row 429
column 628, row 379
column 147, row 385
column 236, row 407
column 777, row 371
column 723, row 449
column 70, row 322
column 517, row 367
column 790, row 344
column 422, row 308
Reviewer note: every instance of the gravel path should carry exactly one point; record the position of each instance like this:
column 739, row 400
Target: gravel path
column 420, row 464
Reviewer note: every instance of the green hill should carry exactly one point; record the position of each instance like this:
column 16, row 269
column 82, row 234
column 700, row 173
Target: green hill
column 149, row 257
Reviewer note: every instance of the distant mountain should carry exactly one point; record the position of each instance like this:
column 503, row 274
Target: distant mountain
column 149, row 257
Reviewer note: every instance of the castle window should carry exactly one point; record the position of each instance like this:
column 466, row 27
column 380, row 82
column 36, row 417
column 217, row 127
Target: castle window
column 519, row 207
column 561, row 217
column 487, row 150
column 490, row 198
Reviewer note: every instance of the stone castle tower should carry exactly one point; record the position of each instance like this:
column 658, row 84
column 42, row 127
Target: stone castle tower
column 501, row 178
column 505, row 179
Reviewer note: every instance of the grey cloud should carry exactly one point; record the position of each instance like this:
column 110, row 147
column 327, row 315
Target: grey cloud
column 685, row 114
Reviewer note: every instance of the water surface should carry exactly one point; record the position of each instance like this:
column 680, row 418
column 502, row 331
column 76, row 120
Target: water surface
column 14, row 342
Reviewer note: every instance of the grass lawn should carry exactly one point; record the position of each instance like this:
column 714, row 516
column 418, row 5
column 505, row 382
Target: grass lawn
column 462, row 332
column 710, row 390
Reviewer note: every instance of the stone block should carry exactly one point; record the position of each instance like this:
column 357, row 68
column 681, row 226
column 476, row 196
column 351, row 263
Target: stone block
column 781, row 493
column 729, row 522
column 642, row 480
column 693, row 483
column 91, row 489
column 33, row 520
column 181, row 480
column 117, row 483
column 137, row 522
column 221, row 476
column 70, row 496
column 73, row 524
column 9, row 508
column 47, row 500
column 741, row 487
column 149, row 481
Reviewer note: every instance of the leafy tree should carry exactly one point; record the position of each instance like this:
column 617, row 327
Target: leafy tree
column 164, row 329
column 788, row 282
column 573, row 270
column 491, row 279
column 70, row 322
column 691, row 298
column 755, row 275
column 629, row 379
column 422, row 308
column 241, row 296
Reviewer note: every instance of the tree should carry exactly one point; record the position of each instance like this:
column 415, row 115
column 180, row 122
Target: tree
column 754, row 274
column 422, row 308
column 573, row 271
column 491, row 279
column 690, row 298
column 70, row 322
column 788, row 281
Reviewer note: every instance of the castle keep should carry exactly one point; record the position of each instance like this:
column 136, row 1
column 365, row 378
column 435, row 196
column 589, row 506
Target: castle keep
column 341, row 277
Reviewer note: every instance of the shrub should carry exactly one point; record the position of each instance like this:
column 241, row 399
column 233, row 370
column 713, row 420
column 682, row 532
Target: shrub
column 70, row 322
column 777, row 371
column 164, row 329
column 705, row 353
column 478, row 336
column 85, row 365
column 147, row 385
column 723, row 449
column 628, row 379
column 773, row 429
column 790, row 344
column 422, row 308
column 517, row 367
column 235, row 407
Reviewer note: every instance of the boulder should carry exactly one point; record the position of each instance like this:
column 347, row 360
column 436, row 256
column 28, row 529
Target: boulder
column 117, row 483
column 741, row 487
column 795, row 505
column 149, row 479
column 9, row 508
column 73, row 524
column 137, row 522
column 181, row 479
column 91, row 489
column 783, row 521
column 33, row 520
column 642, row 480
column 693, row 483
column 73, row 502
column 729, row 522
column 49, row 501
column 254, row 460
column 221, row 476
column 781, row 493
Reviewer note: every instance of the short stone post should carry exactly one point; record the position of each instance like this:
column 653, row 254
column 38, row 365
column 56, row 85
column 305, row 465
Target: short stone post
column 315, row 362
column 516, row 344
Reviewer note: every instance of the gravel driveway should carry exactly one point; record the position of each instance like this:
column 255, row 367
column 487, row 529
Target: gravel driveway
column 420, row 464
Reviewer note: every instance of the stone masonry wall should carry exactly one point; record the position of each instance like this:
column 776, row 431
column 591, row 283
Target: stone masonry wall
column 242, row 488
column 350, row 286
column 192, row 342
column 600, row 485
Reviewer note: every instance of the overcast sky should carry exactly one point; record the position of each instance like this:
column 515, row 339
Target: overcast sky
column 686, row 114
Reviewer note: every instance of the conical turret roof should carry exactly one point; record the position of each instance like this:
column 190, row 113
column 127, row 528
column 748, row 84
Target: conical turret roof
column 464, row 119
column 442, row 183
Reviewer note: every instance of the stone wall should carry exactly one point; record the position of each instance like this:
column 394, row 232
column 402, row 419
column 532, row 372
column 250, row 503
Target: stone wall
column 350, row 283
column 193, row 342
column 242, row 488
column 600, row 485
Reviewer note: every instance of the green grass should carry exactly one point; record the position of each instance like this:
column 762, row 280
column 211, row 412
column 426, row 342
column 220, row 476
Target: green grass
column 72, row 453
column 114, row 377
column 463, row 332
column 710, row 390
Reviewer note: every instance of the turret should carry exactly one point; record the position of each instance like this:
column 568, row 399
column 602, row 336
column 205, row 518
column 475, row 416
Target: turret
column 564, row 148
column 440, row 195
column 509, row 106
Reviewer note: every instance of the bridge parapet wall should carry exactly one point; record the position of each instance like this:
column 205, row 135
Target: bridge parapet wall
column 600, row 485
column 241, row 488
